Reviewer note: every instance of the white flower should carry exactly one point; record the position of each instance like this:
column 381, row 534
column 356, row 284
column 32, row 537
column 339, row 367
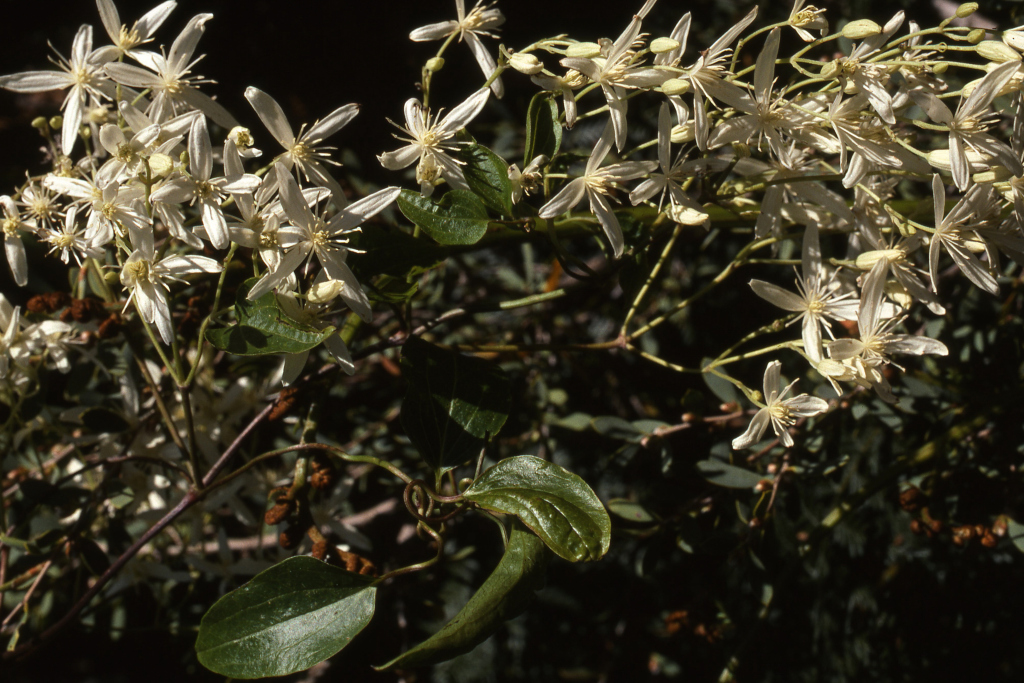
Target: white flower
column 203, row 189
column 803, row 18
column 968, row 127
column 817, row 300
column 779, row 411
column 14, row 225
column 303, row 151
column 616, row 72
column 430, row 142
column 596, row 183
column 565, row 85
column 868, row 77
column 524, row 182
column 313, row 312
column 111, row 206
column 125, row 154
column 147, row 279
column 877, row 343
column 308, row 234
column 949, row 229
column 477, row 23
column 127, row 39
column 71, row 240
column 82, row 74
column 169, row 80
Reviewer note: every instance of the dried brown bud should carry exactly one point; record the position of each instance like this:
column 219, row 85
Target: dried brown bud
column 280, row 512
column 48, row 303
column 320, row 549
column 912, row 499
column 285, row 400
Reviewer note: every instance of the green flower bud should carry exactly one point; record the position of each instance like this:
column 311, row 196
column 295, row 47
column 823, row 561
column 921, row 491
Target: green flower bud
column 659, row 45
column 56, row 122
column 585, row 50
column 40, row 123
column 525, row 63
column 976, row 36
column 675, row 86
column 435, row 64
column 830, row 69
column 967, row 9
column 995, row 51
column 860, row 29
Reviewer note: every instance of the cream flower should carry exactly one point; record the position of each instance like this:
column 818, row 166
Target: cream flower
column 127, row 39
column 470, row 27
column 779, row 411
column 431, row 140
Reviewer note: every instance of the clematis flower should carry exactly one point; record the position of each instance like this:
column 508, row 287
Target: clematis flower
column 949, row 233
column 147, row 279
column 470, row 27
column 125, row 39
column 807, row 19
column 430, row 142
column 304, row 152
column 82, row 74
column 308, row 234
column 70, row 239
column 780, row 412
column 13, row 226
column 596, row 184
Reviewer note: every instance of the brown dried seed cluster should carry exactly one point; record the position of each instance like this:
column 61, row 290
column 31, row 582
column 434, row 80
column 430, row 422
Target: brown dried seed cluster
column 323, row 473
column 285, row 400
column 84, row 310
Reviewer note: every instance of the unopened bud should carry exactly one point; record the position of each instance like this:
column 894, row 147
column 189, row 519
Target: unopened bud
column 585, row 50
column 160, row 165
column 525, row 63
column 967, row 9
column 940, row 68
column 659, row 45
column 675, row 86
column 976, row 36
column 85, row 132
column 868, row 259
column 324, row 292
column 830, row 69
column 998, row 52
column 860, row 29
column 40, row 123
column 1015, row 39
column 56, row 122
column 683, row 133
column 111, row 277
column 435, row 64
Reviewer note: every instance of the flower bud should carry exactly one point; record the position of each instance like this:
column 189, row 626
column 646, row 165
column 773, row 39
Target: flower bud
column 683, row 133
column 1014, row 38
column 435, row 64
column 56, row 122
column 830, row 69
column 675, row 86
column 40, row 123
column 525, row 63
column 860, row 29
column 976, row 36
column 940, row 68
column 967, row 9
column 995, row 51
column 160, row 165
column 659, row 45
column 585, row 50
column 868, row 259
column 85, row 132
column 324, row 292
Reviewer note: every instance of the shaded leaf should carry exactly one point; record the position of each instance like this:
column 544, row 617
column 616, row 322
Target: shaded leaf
column 456, row 218
column 487, row 176
column 392, row 252
column 543, row 130
column 286, row 619
column 554, row 503
column 454, row 403
column 504, row 595
column 729, row 476
column 263, row 328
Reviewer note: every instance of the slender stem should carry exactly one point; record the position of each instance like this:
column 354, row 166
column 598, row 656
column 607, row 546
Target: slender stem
column 650, row 278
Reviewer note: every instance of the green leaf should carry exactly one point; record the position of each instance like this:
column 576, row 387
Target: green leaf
column 454, row 403
column 1015, row 530
column 554, row 503
column 729, row 476
column 457, row 218
column 504, row 595
column 286, row 619
column 487, row 176
column 263, row 328
column 543, row 130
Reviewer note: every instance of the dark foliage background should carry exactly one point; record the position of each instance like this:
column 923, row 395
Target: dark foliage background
column 885, row 596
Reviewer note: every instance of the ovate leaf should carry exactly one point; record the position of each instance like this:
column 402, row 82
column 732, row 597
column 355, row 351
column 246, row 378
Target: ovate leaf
column 456, row 218
column 543, row 130
column 264, row 328
column 454, row 403
column 554, row 503
column 729, row 476
column 487, row 176
column 288, row 618
column 504, row 595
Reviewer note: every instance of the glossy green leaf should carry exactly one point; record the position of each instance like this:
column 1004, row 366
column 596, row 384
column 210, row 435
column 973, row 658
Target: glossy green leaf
column 729, row 476
column 554, row 503
column 286, row 619
column 263, row 328
column 504, row 595
column 454, row 403
column 456, row 218
column 487, row 176
column 543, row 129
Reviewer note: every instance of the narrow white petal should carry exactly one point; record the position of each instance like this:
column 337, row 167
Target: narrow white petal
column 606, row 217
column 754, row 431
column 368, row 206
column 458, row 117
column 332, row 123
column 272, row 116
column 434, row 31
column 566, row 199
